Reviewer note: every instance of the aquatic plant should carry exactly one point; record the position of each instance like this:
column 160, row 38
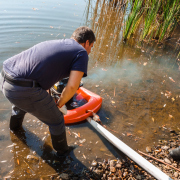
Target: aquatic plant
column 170, row 12
column 133, row 18
column 159, row 20
column 150, row 17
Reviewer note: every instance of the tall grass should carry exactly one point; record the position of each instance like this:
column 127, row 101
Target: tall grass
column 159, row 17
column 150, row 16
column 133, row 18
column 171, row 10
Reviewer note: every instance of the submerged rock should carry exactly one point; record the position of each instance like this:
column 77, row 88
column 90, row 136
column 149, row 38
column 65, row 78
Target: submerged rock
column 32, row 158
column 64, row 176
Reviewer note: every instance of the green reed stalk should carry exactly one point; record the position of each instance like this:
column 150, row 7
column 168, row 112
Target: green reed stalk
column 133, row 17
column 150, row 17
column 170, row 12
column 160, row 18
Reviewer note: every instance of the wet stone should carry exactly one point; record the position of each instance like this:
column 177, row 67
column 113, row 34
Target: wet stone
column 165, row 147
column 148, row 149
column 64, row 176
column 138, row 177
column 167, row 160
column 112, row 163
column 99, row 171
column 176, row 174
column 113, row 169
column 32, row 158
column 94, row 163
column 125, row 174
column 118, row 165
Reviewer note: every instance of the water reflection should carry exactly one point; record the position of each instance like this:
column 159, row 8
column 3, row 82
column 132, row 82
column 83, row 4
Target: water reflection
column 137, row 80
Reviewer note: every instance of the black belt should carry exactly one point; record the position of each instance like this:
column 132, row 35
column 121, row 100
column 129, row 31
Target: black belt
column 16, row 82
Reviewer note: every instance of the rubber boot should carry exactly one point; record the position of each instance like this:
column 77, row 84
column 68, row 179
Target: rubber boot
column 16, row 122
column 59, row 143
column 16, row 118
column 175, row 153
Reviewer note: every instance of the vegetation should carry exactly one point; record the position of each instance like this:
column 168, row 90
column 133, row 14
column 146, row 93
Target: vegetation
column 160, row 18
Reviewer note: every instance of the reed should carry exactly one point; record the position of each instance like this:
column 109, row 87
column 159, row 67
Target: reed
column 159, row 19
column 150, row 17
column 171, row 10
column 133, row 18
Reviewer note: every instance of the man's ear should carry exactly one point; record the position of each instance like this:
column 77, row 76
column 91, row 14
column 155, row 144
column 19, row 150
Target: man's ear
column 87, row 43
column 83, row 44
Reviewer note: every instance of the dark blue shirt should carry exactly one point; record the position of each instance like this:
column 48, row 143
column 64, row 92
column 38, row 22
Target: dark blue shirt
column 48, row 62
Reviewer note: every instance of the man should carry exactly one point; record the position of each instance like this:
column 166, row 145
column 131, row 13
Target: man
column 26, row 77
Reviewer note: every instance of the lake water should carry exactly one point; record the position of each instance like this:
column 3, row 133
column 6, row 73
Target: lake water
column 139, row 84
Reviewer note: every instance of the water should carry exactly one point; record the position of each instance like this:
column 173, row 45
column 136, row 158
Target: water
column 139, row 85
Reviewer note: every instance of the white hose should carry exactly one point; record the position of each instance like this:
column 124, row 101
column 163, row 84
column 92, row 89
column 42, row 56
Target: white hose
column 154, row 171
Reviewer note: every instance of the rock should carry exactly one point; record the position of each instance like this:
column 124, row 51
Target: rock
column 176, row 174
column 118, row 165
column 94, row 163
column 138, row 177
column 148, row 149
column 112, row 163
column 32, row 158
column 104, row 176
column 64, row 176
column 113, row 169
column 99, row 172
column 165, row 147
column 125, row 174
column 167, row 160
column 132, row 168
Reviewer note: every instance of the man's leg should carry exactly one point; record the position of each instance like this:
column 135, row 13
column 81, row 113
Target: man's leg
column 40, row 104
column 16, row 118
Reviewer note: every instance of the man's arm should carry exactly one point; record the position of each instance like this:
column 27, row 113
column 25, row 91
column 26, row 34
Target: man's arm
column 71, row 88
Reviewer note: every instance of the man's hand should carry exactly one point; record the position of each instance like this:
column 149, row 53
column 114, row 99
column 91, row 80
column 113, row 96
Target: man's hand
column 63, row 109
column 71, row 88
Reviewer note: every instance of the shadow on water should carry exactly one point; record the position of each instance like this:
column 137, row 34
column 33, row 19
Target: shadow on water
column 24, row 142
column 34, row 158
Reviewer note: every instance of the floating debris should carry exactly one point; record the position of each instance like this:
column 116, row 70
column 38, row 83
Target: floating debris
column 3, row 161
column 12, row 145
column 82, row 141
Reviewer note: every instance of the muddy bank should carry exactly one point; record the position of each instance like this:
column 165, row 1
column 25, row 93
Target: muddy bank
column 32, row 165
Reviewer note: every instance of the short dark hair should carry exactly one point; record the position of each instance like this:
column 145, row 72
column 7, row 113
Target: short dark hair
column 82, row 34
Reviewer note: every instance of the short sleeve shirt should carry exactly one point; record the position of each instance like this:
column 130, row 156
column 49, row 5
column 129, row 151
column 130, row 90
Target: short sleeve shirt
column 48, row 62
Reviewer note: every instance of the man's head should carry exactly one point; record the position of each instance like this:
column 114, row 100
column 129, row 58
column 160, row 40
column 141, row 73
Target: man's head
column 84, row 36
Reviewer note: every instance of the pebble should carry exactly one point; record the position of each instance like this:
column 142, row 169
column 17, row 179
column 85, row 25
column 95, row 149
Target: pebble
column 165, row 147
column 112, row 163
column 176, row 174
column 118, row 165
column 64, row 176
column 94, row 163
column 167, row 160
column 113, row 169
column 148, row 149
column 32, row 158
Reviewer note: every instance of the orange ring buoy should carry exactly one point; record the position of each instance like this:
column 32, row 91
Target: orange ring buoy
column 94, row 102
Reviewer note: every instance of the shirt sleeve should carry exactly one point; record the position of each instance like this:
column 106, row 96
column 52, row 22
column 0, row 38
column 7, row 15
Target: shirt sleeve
column 80, row 63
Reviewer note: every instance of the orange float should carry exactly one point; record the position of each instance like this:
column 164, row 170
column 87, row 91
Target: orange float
column 79, row 114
